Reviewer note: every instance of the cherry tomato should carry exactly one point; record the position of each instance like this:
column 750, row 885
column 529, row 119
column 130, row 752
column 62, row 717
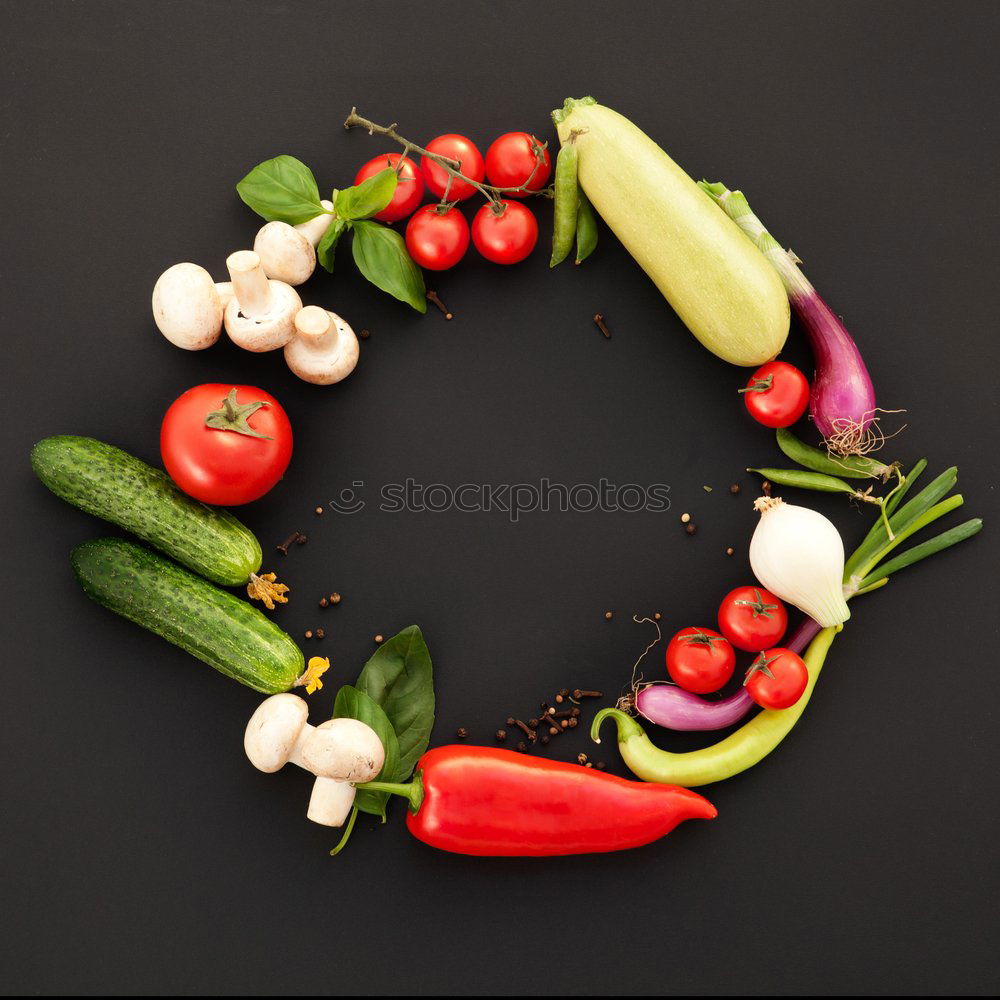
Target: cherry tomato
column 437, row 240
column 752, row 618
column 777, row 678
column 777, row 394
column 409, row 188
column 225, row 444
column 455, row 147
column 700, row 660
column 507, row 237
column 511, row 159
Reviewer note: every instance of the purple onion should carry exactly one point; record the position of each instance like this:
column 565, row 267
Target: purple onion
column 674, row 708
column 842, row 397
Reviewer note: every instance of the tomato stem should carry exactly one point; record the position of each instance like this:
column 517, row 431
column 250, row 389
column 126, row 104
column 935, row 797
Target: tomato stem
column 757, row 605
column 703, row 638
column 759, row 385
column 233, row 417
column 490, row 192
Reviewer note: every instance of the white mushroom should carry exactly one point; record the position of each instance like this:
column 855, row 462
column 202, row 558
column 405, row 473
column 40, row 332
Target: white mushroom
column 324, row 350
column 276, row 731
column 339, row 752
column 288, row 253
column 188, row 306
column 261, row 314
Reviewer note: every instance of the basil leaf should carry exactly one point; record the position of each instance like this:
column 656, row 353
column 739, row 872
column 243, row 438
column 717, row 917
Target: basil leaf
column 381, row 256
column 354, row 704
column 281, row 190
column 370, row 196
column 328, row 244
column 400, row 678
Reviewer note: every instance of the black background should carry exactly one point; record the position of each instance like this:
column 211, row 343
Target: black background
column 141, row 853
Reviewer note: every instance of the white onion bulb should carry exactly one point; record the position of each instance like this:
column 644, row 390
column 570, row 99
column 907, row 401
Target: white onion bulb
column 798, row 554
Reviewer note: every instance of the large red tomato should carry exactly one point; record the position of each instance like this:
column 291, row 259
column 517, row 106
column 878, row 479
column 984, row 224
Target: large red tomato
column 454, row 147
column 225, row 444
column 515, row 157
column 409, row 186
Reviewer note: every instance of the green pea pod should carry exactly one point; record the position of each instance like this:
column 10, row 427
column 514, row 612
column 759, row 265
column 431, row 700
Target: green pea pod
column 818, row 460
column 828, row 484
column 806, row 480
column 586, row 229
column 567, row 196
column 749, row 745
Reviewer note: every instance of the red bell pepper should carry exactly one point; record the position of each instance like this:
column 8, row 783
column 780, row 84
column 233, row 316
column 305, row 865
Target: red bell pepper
column 492, row 802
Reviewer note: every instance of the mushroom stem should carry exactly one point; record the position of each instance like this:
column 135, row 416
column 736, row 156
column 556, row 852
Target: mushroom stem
column 324, row 349
column 316, row 327
column 295, row 754
column 250, row 285
column 315, row 229
column 331, row 801
column 225, row 292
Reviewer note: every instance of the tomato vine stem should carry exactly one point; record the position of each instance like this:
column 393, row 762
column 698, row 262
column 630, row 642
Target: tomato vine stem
column 490, row 192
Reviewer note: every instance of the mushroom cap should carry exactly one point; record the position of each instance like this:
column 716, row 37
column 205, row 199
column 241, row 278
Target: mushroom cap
column 270, row 332
column 325, row 349
column 186, row 307
column 273, row 731
column 331, row 801
column 315, row 229
column 345, row 749
column 286, row 254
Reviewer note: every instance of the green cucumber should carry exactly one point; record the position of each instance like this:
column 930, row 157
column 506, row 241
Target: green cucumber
column 212, row 624
column 114, row 485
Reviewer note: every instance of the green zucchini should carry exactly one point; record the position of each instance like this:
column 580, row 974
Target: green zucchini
column 114, row 485
column 719, row 283
column 212, row 624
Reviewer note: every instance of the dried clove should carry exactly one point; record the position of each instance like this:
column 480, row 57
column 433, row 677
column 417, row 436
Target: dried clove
column 530, row 733
column 293, row 537
column 435, row 298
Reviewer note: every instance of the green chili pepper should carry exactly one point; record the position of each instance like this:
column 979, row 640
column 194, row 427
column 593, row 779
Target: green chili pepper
column 750, row 744
column 806, row 480
column 586, row 229
column 567, row 197
column 818, row 460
